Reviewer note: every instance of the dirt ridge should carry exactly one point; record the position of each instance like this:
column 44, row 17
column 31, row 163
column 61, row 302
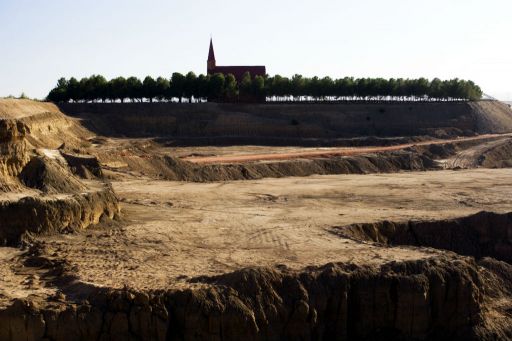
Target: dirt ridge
column 427, row 299
column 484, row 234
column 47, row 215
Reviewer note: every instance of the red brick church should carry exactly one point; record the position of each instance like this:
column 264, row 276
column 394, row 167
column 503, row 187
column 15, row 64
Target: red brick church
column 237, row 71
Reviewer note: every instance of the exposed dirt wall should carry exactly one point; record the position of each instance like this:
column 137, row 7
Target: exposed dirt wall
column 257, row 123
column 47, row 215
column 14, row 153
column 485, row 234
column 432, row 299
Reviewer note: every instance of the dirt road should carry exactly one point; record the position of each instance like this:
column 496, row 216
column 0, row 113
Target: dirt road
column 330, row 152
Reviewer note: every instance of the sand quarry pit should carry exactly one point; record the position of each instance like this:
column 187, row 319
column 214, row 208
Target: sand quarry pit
column 134, row 238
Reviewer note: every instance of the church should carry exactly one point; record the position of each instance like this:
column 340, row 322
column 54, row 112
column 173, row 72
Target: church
column 237, row 71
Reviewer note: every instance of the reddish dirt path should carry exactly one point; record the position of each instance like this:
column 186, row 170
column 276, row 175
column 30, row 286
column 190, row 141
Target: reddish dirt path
column 330, row 152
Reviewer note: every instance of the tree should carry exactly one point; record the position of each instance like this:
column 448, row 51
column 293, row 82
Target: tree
column 203, row 86
column 216, row 87
column 98, row 86
column 73, row 89
column 134, row 89
column 60, row 92
column 258, row 88
column 246, row 85
column 231, row 88
column 279, row 86
column 190, row 86
column 161, row 88
column 118, row 89
column 422, row 86
column 436, row 88
column 313, row 88
column 149, row 88
column 220, row 87
column 177, row 87
column 297, row 86
column 326, row 87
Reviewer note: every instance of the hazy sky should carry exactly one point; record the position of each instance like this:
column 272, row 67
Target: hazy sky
column 41, row 41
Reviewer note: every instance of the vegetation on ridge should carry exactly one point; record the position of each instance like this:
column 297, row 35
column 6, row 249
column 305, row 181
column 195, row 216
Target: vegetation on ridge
column 221, row 88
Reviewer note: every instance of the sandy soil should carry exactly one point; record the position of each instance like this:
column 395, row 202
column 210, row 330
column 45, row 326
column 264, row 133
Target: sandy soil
column 175, row 231
column 17, row 281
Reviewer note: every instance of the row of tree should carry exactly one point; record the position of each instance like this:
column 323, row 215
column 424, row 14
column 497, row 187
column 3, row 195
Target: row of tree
column 225, row 88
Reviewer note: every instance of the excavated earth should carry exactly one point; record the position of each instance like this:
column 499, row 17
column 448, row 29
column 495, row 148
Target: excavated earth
column 114, row 233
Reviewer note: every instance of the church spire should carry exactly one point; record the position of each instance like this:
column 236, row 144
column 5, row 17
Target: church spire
column 211, row 53
column 211, row 59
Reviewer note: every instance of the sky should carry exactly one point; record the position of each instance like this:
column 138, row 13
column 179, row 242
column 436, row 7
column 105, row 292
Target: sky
column 41, row 41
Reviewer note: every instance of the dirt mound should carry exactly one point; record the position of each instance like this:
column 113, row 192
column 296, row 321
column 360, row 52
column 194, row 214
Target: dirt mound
column 26, row 125
column 85, row 166
column 54, row 214
column 484, row 234
column 49, row 176
column 29, row 164
column 499, row 156
column 491, row 116
column 265, row 123
column 497, row 284
column 172, row 168
column 502, row 271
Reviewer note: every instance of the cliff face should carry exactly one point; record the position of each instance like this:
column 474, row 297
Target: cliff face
column 432, row 299
column 274, row 123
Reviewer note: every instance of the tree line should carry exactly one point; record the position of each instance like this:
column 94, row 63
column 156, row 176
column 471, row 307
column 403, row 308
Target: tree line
column 225, row 88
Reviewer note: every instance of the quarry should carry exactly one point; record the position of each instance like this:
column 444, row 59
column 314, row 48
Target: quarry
column 169, row 221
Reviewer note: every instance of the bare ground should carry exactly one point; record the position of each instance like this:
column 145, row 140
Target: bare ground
column 177, row 231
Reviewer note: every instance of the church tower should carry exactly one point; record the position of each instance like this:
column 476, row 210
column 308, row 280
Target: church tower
column 211, row 60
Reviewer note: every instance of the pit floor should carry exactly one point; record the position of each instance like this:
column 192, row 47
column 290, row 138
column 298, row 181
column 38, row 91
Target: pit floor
column 175, row 231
